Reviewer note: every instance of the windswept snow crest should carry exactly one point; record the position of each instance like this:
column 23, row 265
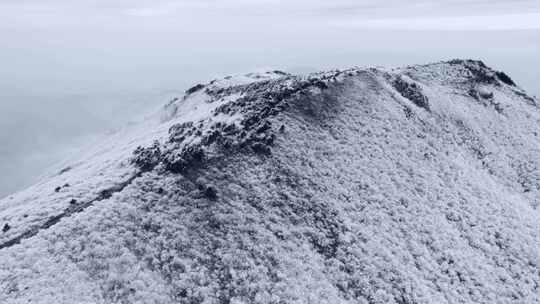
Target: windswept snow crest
column 412, row 185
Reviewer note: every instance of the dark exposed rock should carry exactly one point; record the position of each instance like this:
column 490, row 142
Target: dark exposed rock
column 473, row 93
column 411, row 91
column 527, row 98
column 482, row 74
column 408, row 112
column 194, row 89
column 57, row 189
column 260, row 101
column 468, row 62
column 6, row 227
column 279, row 72
column 505, row 78
column 64, row 170
column 210, row 193
column 147, row 158
column 188, row 158
column 485, row 97
column 261, row 148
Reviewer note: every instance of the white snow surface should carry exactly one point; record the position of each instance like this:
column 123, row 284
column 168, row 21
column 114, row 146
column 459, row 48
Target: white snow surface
column 366, row 197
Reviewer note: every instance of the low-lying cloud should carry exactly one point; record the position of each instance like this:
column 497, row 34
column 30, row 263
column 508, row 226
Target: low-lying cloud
column 501, row 22
column 74, row 69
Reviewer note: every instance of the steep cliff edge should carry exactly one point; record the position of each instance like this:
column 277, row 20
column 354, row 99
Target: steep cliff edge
column 411, row 185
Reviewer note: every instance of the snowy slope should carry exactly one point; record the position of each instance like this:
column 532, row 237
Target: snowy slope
column 412, row 185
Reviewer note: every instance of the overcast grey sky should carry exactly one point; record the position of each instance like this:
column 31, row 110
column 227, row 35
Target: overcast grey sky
column 72, row 70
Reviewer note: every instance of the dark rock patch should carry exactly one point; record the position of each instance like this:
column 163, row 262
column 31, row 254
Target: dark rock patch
column 147, row 158
column 64, row 170
column 280, row 72
column 479, row 63
column 260, row 148
column 480, row 73
column 254, row 134
column 528, row 99
column 57, row 189
column 408, row 112
column 412, row 92
column 486, row 98
column 194, row 89
column 207, row 191
column 188, row 158
column 504, row 78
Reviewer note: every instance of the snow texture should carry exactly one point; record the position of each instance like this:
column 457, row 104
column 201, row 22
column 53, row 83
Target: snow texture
column 412, row 185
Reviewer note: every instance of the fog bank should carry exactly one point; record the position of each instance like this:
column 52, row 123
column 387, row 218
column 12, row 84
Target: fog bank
column 73, row 71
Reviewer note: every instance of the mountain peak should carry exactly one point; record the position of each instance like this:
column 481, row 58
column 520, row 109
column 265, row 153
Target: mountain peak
column 365, row 185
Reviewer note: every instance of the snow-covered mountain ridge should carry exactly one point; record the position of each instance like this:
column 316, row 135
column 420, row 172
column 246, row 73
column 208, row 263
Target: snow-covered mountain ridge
column 411, row 185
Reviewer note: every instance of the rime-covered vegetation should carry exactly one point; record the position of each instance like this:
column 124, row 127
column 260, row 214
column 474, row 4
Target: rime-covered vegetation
column 406, row 186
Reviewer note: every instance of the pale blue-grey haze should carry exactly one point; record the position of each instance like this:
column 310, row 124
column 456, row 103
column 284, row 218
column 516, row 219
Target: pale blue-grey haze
column 74, row 70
